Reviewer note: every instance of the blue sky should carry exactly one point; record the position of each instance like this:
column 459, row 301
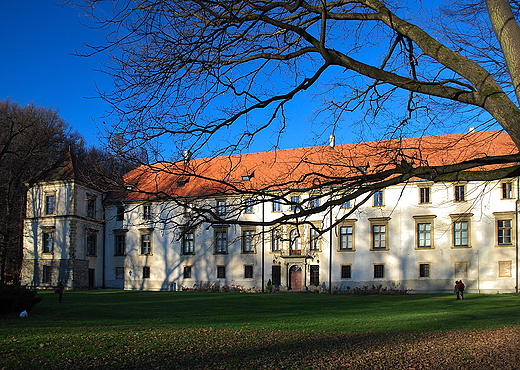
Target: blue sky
column 37, row 39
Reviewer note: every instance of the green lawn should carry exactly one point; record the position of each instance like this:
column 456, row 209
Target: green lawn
column 187, row 329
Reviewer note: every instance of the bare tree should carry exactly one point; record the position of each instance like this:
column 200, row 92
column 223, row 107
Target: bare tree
column 187, row 71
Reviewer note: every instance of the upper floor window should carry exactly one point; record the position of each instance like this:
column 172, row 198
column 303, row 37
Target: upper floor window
column 507, row 190
column 378, row 198
column 221, row 207
column 277, row 205
column 120, row 216
column 221, row 241
column 505, row 232
column 424, row 195
column 346, row 237
column 461, row 234
column 314, row 239
column 424, row 235
column 50, row 204
column 147, row 212
column 295, row 242
column 378, row 236
column 91, row 243
column 188, row 242
column 295, row 203
column 460, row 193
column 346, row 204
column 146, row 244
column 48, row 242
column 249, row 206
column 276, row 240
column 314, row 202
column 247, row 241
column 91, row 207
column 120, row 244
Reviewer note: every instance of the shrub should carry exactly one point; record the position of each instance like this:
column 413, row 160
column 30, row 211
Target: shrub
column 15, row 298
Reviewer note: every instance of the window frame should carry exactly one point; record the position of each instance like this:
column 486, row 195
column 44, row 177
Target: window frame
column 502, row 217
column 48, row 235
column 424, row 270
column 425, row 193
column 295, row 203
column 91, row 242
column 379, row 222
column 276, row 205
column 507, row 189
column 379, row 269
column 145, row 243
column 459, row 193
column 147, row 212
column 120, row 213
column 119, row 245
column 221, row 207
column 146, row 272
column 50, row 203
column 378, row 198
column 249, row 272
column 47, row 273
column 247, row 241
column 187, row 272
column 276, row 239
column 314, row 275
column 249, row 206
column 220, row 244
column 346, row 271
column 424, row 220
column 221, row 271
column 188, row 243
column 351, row 239
column 91, row 206
column 315, row 237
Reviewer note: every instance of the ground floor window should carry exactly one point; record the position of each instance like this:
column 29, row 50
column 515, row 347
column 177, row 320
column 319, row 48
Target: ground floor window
column 248, row 271
column 424, row 270
column 379, row 271
column 221, row 272
column 47, row 274
column 120, row 272
column 187, row 272
column 146, row 272
column 315, row 275
column 276, row 275
column 346, row 271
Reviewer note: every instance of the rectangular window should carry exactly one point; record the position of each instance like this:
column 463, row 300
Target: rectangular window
column 187, row 272
column 147, row 212
column 221, row 272
column 120, row 273
column 460, row 234
column 424, row 270
column 247, row 241
column 424, row 235
column 91, row 243
column 188, row 243
column 146, row 272
column 379, row 271
column 346, row 271
column 120, row 216
column 461, row 269
column 295, row 203
column 146, row 244
column 505, row 232
column 91, row 207
column 276, row 238
column 505, row 269
column 48, row 242
column 277, row 205
column 346, row 204
column 314, row 202
column 47, row 274
column 249, row 206
column 120, row 245
column 346, row 237
column 315, row 275
column 314, row 239
column 460, row 193
column 248, row 271
column 424, row 195
column 378, row 198
column 50, row 204
column 221, row 207
column 507, row 190
column 378, row 236
column 221, row 241
column 276, row 272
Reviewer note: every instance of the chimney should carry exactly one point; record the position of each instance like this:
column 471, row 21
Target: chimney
column 186, row 156
column 332, row 141
column 471, row 129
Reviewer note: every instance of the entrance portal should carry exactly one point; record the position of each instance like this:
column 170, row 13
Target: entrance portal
column 295, row 278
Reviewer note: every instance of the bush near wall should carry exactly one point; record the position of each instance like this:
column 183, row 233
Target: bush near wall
column 15, row 298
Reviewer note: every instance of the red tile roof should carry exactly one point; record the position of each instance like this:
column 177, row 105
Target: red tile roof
column 311, row 166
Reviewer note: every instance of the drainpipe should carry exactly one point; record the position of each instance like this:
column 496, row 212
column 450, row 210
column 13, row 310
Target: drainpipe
column 263, row 245
column 104, row 245
column 516, row 227
column 330, row 252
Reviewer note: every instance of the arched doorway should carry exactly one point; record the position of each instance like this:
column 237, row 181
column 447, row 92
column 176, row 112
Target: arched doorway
column 295, row 277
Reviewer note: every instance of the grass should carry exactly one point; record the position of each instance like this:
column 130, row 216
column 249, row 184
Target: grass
column 134, row 329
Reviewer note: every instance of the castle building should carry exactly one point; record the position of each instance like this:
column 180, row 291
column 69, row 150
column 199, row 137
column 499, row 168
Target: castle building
column 242, row 221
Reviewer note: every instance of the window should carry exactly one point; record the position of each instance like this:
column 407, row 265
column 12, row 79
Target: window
column 91, row 242
column 249, row 206
column 505, row 232
column 295, row 242
column 276, row 240
column 424, row 195
column 221, row 241
column 120, row 273
column 221, row 272
column 295, row 203
column 247, row 241
column 314, row 239
column 424, row 235
column 346, row 237
column 346, row 271
column 346, row 204
column 424, row 270
column 47, row 274
column 378, row 198
column 50, row 204
column 147, row 212
column 379, row 271
column 276, row 272
column 277, row 205
column 221, row 207
column 120, row 245
column 507, row 190
column 461, row 269
column 48, row 242
column 91, row 207
column 146, row 244
column 460, row 193
column 187, row 272
column 314, row 275
column 379, row 230
column 146, row 272
column 188, row 242
column 248, row 271
column 120, row 216
column 314, row 202
column 505, row 269
column 460, row 234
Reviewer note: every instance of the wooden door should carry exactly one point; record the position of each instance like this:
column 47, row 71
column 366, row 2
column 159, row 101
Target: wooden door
column 295, row 274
